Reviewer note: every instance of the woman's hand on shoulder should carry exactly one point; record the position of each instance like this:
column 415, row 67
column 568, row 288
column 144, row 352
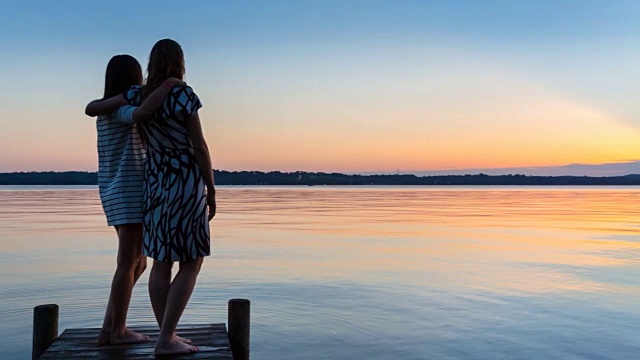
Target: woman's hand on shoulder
column 173, row 81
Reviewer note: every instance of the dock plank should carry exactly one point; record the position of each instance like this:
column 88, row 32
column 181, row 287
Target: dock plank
column 211, row 339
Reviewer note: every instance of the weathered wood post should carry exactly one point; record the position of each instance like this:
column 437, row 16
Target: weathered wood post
column 45, row 328
column 239, row 323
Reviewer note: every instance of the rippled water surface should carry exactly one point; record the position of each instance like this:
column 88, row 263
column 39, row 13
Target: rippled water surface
column 360, row 272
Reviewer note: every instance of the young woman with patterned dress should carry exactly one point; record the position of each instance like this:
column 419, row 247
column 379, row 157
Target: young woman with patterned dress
column 179, row 194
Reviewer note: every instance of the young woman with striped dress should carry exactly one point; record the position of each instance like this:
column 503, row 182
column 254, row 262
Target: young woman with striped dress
column 121, row 157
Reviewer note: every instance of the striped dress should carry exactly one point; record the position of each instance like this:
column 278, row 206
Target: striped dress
column 121, row 157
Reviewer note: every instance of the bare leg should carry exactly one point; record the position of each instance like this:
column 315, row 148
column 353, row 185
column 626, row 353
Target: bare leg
column 103, row 337
column 141, row 266
column 105, row 332
column 159, row 282
column 129, row 252
column 177, row 299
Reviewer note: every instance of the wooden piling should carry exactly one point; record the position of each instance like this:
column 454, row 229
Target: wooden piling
column 45, row 328
column 239, row 324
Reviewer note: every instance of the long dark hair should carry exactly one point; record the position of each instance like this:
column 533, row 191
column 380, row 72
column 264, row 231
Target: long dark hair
column 166, row 60
column 123, row 71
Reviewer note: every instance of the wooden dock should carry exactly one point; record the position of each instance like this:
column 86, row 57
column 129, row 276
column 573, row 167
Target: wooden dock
column 212, row 340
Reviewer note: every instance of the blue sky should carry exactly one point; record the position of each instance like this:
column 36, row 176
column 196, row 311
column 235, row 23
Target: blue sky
column 340, row 85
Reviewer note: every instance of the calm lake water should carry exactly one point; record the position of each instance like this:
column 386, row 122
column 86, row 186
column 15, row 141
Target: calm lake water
column 360, row 272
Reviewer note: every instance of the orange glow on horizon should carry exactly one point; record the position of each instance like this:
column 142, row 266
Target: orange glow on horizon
column 477, row 117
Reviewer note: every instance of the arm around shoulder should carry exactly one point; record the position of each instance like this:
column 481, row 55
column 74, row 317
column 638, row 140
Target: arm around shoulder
column 155, row 99
column 105, row 106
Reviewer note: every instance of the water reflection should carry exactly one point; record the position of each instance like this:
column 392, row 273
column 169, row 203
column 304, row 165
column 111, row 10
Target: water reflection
column 361, row 272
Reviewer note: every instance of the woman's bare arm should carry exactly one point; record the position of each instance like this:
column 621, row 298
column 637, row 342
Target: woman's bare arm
column 154, row 100
column 144, row 111
column 105, row 106
column 201, row 151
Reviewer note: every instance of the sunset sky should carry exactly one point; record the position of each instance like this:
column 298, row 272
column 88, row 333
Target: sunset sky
column 347, row 86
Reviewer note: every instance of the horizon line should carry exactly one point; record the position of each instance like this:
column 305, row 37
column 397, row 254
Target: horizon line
column 352, row 174
column 418, row 171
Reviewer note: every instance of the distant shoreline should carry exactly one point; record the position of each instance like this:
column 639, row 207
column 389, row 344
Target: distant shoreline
column 319, row 178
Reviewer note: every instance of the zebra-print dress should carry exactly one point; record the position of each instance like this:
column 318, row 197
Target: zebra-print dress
column 175, row 221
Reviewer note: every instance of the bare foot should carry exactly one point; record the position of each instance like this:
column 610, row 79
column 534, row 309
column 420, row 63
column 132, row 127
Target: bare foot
column 174, row 347
column 184, row 340
column 128, row 337
column 103, row 337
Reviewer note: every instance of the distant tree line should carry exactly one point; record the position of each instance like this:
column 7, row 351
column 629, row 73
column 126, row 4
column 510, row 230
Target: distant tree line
column 49, row 178
column 319, row 178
